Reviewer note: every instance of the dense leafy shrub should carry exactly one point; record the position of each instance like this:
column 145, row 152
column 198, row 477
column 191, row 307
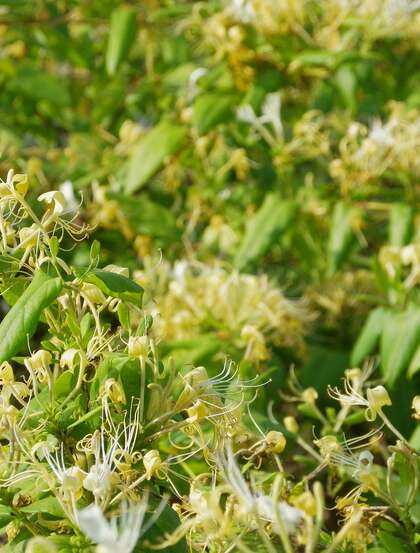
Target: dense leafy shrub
column 209, row 219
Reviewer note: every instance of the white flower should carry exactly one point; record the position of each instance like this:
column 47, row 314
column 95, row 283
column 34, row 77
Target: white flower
column 381, row 134
column 71, row 478
column 101, row 477
column 271, row 112
column 267, row 507
column 55, row 201
column 246, row 113
column 242, row 11
column 121, row 534
column 66, row 188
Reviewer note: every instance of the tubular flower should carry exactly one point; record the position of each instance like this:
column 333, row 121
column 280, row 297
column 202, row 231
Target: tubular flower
column 121, row 534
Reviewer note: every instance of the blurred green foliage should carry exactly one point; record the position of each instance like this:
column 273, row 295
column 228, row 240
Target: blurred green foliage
column 276, row 138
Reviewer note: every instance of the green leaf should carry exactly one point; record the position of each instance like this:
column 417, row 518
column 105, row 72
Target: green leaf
column 415, row 439
column 193, row 351
column 124, row 316
column 166, row 524
column 162, row 141
column 369, row 336
column 401, row 225
column 147, row 217
column 400, row 339
column 48, row 505
column 414, row 364
column 346, row 82
column 121, row 367
column 22, row 319
column 112, row 284
column 342, row 237
column 5, row 516
column 121, row 37
column 273, row 218
column 8, row 263
column 210, row 109
column 38, row 85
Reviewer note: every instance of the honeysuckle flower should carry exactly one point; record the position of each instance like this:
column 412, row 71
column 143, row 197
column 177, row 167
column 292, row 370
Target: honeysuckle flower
column 271, row 113
column 255, row 503
column 376, row 399
column 101, row 476
column 55, row 201
column 120, row 534
column 67, row 190
column 38, row 367
column 9, row 387
column 15, row 183
column 138, row 346
column 152, row 463
column 29, row 237
column 416, row 407
column 71, row 478
column 68, row 358
column 113, row 390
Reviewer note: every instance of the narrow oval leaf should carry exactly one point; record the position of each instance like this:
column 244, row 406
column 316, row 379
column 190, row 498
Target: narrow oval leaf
column 163, row 140
column 369, row 336
column 414, row 364
column 22, row 319
column 342, row 237
column 400, row 225
column 121, row 36
column 210, row 109
column 400, row 339
column 273, row 218
column 112, row 284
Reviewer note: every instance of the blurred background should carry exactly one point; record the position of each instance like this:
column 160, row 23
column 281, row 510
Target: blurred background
column 253, row 162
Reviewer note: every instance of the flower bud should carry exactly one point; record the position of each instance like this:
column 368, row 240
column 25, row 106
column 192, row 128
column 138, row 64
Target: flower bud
column 152, row 462
column 198, row 411
column 305, row 502
column 310, row 395
column 416, row 407
column 113, row 390
column 138, row 347
column 327, row 445
column 276, row 442
column 291, row 424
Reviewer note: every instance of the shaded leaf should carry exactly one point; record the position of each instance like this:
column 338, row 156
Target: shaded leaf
column 369, row 336
column 400, row 225
column 210, row 109
column 22, row 319
column 121, row 37
column 163, row 140
column 400, row 339
column 273, row 218
column 112, row 284
column 342, row 237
